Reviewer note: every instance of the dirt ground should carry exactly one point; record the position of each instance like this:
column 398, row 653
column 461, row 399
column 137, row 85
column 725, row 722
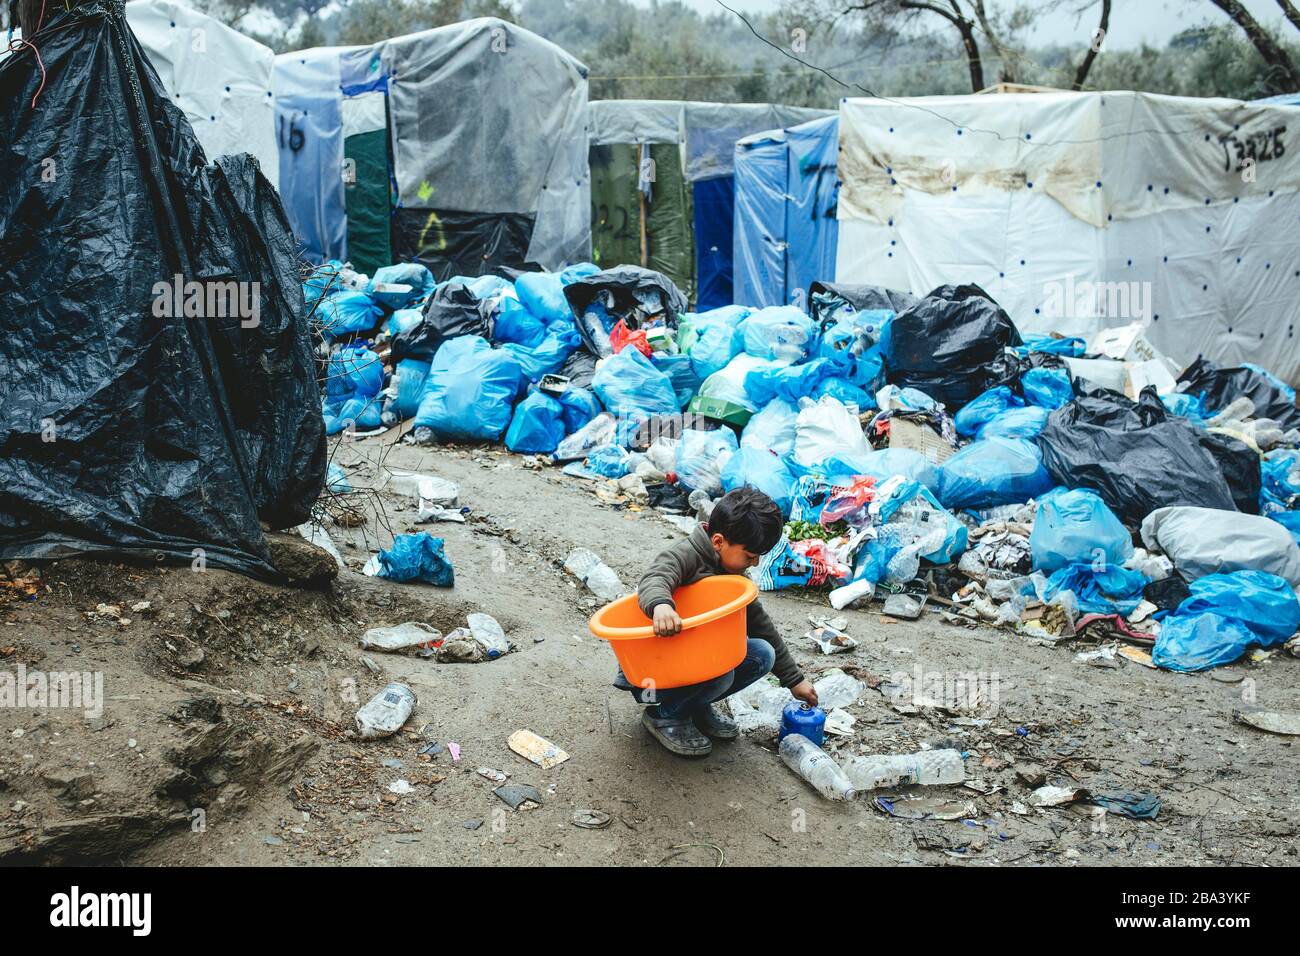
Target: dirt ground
column 224, row 738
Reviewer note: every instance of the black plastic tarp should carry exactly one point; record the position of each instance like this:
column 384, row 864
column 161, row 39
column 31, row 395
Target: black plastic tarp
column 861, row 297
column 138, row 421
column 1135, row 455
column 1222, row 385
column 635, row 292
column 452, row 310
column 951, row 345
column 461, row 243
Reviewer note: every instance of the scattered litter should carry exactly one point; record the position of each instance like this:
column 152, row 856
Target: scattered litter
column 926, row 768
column 591, row 819
column 537, row 749
column 909, row 806
column 829, row 636
column 496, row 776
column 386, row 712
column 409, row 636
column 904, row 606
column 453, row 748
column 401, row 787
column 1057, row 796
column 816, row 766
column 1273, row 721
column 520, row 796
column 413, row 557
column 1136, row 806
column 840, row 722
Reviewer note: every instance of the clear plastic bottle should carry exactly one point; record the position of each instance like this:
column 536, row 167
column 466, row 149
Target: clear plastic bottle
column 488, row 632
column 816, row 766
column 928, row 767
column 386, row 712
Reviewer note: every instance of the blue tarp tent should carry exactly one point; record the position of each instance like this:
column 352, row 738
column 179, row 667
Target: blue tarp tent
column 785, row 230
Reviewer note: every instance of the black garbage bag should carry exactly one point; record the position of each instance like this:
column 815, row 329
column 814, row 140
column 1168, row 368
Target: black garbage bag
column 1167, row 593
column 1240, row 465
column 1135, row 455
column 823, row 296
column 950, row 345
column 159, row 389
column 630, row 293
column 580, row 368
column 1222, row 385
column 452, row 310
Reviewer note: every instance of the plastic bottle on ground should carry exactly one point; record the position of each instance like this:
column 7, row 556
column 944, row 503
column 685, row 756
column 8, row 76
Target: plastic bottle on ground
column 385, row 713
column 488, row 632
column 928, row 768
column 817, row 767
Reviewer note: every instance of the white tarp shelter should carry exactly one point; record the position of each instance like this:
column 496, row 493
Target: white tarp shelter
column 1082, row 211
column 220, row 78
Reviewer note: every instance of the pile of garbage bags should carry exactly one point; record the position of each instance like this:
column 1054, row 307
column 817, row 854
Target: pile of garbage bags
column 916, row 445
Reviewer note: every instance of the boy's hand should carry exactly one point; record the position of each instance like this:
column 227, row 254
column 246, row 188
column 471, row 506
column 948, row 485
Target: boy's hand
column 666, row 621
column 805, row 691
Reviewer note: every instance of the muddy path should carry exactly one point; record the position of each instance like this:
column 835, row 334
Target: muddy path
column 224, row 732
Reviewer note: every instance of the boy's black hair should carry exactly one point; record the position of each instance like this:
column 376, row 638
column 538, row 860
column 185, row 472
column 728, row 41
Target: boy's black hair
column 749, row 518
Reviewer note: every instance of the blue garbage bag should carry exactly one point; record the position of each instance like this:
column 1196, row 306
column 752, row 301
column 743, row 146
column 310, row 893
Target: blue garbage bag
column 579, row 270
column 1037, row 342
column 549, row 355
column 537, row 426
column 772, row 429
column 631, row 387
column 680, row 372
column 1047, row 387
column 787, row 382
column 353, row 381
column 1289, row 520
column 781, row 332
column 514, row 323
column 1100, row 589
column 701, row 456
column 1191, row 407
column 717, row 338
column 412, row 274
column 783, row 567
column 542, row 294
column 408, row 381
column 580, row 407
column 984, row 408
column 838, row 345
column 760, row 469
column 609, row 461
column 342, row 313
column 1026, row 422
column 1263, row 602
column 884, row 464
column 470, row 391
column 1197, row 642
column 994, row 471
column 845, row 392
column 1076, row 527
column 336, row 480
column 924, row 512
column 323, row 280
column 403, row 320
column 1279, row 481
column 482, row 287
column 417, row 557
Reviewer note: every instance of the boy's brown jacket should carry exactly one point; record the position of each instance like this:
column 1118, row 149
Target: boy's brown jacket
column 688, row 561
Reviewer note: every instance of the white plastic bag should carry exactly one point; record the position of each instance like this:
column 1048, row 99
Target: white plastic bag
column 827, row 428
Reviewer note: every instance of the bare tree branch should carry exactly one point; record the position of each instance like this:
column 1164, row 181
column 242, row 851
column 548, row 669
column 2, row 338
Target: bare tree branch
column 1269, row 49
column 1291, row 12
column 1093, row 47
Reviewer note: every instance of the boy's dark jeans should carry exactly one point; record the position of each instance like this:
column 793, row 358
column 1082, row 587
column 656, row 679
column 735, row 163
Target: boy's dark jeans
column 680, row 702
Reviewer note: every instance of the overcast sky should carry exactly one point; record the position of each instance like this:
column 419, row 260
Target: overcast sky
column 1131, row 21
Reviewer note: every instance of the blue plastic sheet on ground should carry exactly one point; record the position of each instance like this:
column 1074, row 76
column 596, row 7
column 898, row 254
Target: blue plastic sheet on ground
column 1262, row 602
column 1026, row 422
column 580, row 407
column 412, row 274
column 680, row 372
column 514, row 323
column 537, row 426
column 787, row 382
column 760, row 469
column 984, row 408
column 470, row 391
column 342, row 313
column 1047, row 387
column 772, row 429
column 631, row 387
column 995, row 471
column 701, row 456
column 542, row 294
column 336, row 481
column 1099, row 589
column 549, row 355
column 717, row 340
column 782, row 333
column 408, row 384
column 1197, row 642
column 1076, row 527
column 417, row 557
column 608, row 461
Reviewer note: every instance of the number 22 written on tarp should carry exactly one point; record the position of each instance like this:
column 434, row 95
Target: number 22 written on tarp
column 1254, row 146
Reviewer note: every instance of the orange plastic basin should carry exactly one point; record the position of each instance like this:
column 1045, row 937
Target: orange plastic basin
column 711, row 642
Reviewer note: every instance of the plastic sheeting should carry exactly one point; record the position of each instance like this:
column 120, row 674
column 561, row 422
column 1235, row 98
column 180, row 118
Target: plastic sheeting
column 1081, row 211
column 218, row 76
column 487, row 117
column 173, row 435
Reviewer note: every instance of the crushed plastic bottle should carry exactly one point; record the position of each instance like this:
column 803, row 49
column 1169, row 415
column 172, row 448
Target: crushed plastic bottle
column 817, row 767
column 408, row 636
column 927, row 768
column 703, row 505
column 488, row 632
column 586, row 565
column 386, row 712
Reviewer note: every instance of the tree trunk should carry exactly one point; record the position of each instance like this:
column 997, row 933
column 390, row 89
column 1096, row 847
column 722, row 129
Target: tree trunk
column 1097, row 39
column 1291, row 12
column 972, row 56
column 1273, row 54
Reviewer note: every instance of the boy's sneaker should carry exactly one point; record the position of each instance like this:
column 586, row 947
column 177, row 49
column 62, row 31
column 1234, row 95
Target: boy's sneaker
column 678, row 734
column 716, row 724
